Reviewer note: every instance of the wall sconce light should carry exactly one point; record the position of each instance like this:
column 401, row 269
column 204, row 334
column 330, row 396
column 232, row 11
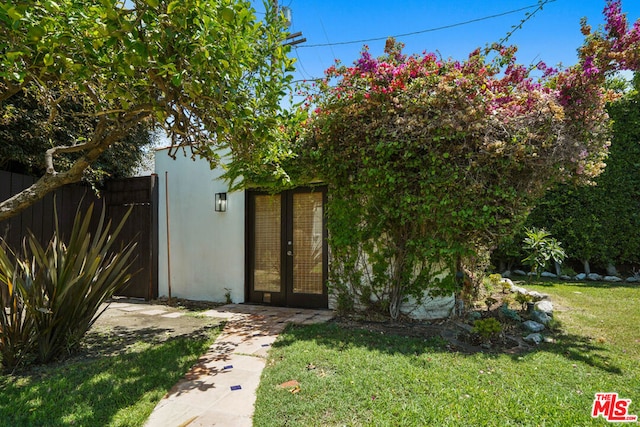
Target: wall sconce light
column 221, row 202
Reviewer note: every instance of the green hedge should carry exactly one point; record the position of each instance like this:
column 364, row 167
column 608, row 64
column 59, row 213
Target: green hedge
column 599, row 224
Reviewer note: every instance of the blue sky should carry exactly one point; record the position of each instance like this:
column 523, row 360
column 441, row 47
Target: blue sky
column 551, row 35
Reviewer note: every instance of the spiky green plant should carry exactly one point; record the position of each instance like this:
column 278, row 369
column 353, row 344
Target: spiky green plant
column 16, row 328
column 57, row 291
column 487, row 328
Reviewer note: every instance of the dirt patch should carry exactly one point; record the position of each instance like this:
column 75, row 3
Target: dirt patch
column 456, row 334
column 128, row 322
column 186, row 304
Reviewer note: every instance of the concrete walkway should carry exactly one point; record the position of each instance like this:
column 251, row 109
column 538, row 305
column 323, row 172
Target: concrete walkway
column 220, row 389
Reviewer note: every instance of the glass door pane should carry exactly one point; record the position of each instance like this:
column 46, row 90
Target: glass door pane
column 308, row 243
column 267, row 244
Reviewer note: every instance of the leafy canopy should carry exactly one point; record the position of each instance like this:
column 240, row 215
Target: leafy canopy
column 28, row 130
column 206, row 71
column 601, row 223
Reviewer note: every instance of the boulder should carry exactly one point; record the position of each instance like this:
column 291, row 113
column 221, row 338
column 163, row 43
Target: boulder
column 518, row 290
column 612, row 279
column 519, row 273
column 548, row 274
column 429, row 308
column 537, row 296
column 565, row 277
column 633, row 279
column 533, row 326
column 506, row 280
column 506, row 273
column 474, row 315
column 540, row 317
column 545, row 306
column 581, row 276
column 595, row 277
column 534, row 338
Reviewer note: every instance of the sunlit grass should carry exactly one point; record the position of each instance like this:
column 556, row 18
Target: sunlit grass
column 355, row 377
column 113, row 390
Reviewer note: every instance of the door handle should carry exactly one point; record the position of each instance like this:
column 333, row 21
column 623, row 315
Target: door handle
column 290, row 253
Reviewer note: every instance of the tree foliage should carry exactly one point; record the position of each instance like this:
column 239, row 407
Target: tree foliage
column 207, row 71
column 600, row 223
column 429, row 161
column 28, row 131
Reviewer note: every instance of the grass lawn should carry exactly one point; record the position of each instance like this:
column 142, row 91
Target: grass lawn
column 118, row 389
column 356, row 377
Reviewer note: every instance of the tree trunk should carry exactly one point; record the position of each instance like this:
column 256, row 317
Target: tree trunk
column 397, row 275
column 558, row 268
column 53, row 180
column 587, row 269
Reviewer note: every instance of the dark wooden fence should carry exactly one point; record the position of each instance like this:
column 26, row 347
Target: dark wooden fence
column 139, row 194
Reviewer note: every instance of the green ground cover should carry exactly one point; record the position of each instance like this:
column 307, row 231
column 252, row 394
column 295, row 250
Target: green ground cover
column 118, row 388
column 359, row 377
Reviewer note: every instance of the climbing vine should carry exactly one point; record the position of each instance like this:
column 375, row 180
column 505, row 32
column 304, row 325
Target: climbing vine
column 430, row 161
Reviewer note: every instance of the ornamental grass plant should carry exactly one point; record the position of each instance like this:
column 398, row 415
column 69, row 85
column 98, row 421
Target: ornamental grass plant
column 53, row 294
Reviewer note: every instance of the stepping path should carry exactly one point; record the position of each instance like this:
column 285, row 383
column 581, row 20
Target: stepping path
column 220, row 389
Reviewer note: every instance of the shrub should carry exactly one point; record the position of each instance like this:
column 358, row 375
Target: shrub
column 524, row 299
column 506, row 286
column 16, row 328
column 495, row 279
column 542, row 248
column 489, row 301
column 53, row 295
column 487, row 328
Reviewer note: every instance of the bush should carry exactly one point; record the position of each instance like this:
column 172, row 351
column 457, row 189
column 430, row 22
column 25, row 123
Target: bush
column 487, row 328
column 542, row 248
column 53, row 295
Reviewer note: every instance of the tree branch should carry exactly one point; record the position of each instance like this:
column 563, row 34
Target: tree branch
column 95, row 141
column 52, row 181
column 9, row 89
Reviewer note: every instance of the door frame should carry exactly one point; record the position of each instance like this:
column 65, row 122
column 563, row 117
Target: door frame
column 286, row 297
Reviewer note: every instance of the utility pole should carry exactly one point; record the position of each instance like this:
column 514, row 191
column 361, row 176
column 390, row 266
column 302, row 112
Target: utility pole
column 292, row 39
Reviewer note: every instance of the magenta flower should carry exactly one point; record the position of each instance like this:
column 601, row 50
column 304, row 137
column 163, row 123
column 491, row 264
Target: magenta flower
column 616, row 21
column 589, row 67
column 366, row 63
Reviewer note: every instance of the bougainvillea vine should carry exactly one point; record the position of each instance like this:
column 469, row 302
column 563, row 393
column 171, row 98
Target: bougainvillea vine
column 431, row 161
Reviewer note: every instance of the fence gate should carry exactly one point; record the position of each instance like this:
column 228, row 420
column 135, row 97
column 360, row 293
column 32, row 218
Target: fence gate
column 141, row 196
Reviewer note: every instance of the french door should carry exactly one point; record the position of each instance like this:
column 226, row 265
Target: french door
column 287, row 248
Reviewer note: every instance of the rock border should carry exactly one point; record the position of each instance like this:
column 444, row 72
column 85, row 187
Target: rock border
column 594, row 277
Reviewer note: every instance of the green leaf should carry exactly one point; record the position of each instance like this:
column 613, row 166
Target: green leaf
column 227, row 14
column 48, row 60
column 152, row 3
column 172, row 6
column 35, row 33
column 14, row 14
column 12, row 56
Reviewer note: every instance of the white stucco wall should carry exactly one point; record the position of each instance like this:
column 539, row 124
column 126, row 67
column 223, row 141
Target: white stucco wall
column 427, row 308
column 206, row 247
